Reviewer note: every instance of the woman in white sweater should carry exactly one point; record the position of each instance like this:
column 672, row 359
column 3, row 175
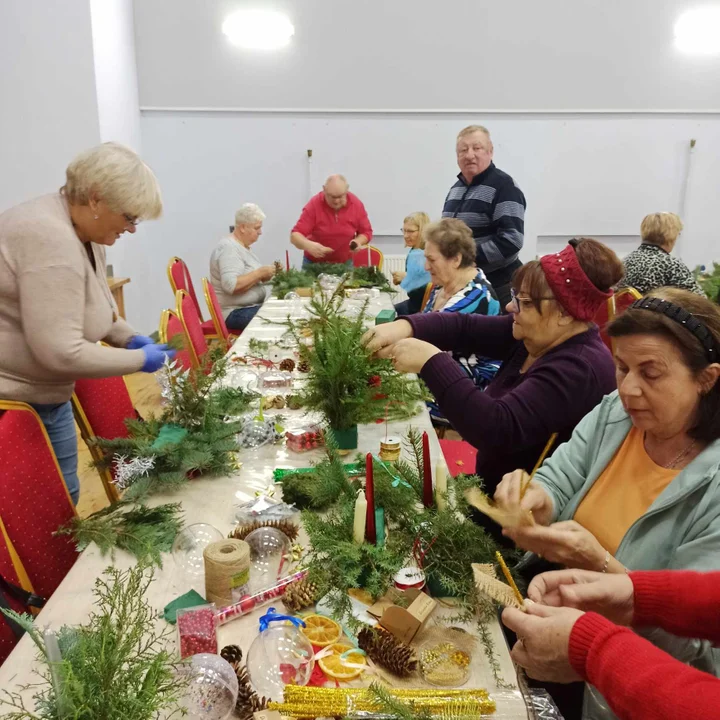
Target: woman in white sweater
column 55, row 303
column 239, row 278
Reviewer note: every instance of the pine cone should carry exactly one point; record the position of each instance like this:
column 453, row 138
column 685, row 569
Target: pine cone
column 386, row 650
column 233, row 654
column 294, row 402
column 278, row 266
column 289, row 528
column 303, row 366
column 288, row 364
column 248, row 701
column 300, row 595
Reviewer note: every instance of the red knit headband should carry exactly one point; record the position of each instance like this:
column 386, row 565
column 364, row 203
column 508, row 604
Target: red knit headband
column 572, row 288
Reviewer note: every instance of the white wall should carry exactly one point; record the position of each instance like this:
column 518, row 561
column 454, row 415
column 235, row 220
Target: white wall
column 402, row 54
column 115, row 71
column 582, row 175
column 117, row 99
column 48, row 107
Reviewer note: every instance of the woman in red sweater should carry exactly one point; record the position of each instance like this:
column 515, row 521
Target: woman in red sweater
column 564, row 638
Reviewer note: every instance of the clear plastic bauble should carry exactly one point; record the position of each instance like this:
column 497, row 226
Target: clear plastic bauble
column 188, row 547
column 212, row 688
column 280, row 655
column 256, row 433
column 270, row 558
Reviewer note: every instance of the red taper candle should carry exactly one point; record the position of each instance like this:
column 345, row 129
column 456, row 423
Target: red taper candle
column 370, row 532
column 287, row 260
column 427, row 473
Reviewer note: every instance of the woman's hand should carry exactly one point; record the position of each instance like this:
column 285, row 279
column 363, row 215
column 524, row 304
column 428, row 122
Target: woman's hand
column 379, row 339
column 410, row 355
column 566, row 543
column 543, row 641
column 138, row 341
column 611, row 595
column 318, row 251
column 398, row 276
column 535, row 499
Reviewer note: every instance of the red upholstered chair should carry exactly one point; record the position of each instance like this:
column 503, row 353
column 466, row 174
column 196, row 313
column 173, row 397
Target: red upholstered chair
column 12, row 570
column 601, row 319
column 368, row 255
column 197, row 344
column 170, row 326
column 216, row 313
column 34, row 500
column 620, row 302
column 459, row 456
column 101, row 407
column 179, row 277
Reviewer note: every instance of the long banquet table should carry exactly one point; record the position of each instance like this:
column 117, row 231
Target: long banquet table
column 212, row 500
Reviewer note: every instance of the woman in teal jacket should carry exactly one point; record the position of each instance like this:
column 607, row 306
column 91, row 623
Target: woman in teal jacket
column 637, row 487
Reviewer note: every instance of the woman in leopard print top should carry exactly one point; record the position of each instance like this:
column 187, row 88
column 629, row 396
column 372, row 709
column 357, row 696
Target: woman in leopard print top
column 651, row 265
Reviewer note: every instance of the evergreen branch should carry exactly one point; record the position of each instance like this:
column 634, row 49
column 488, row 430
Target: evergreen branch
column 143, row 531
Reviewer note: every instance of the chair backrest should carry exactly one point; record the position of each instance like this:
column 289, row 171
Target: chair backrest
column 619, row 302
column 12, row 571
column 101, row 407
column 368, row 255
column 170, row 326
column 179, row 277
column 215, row 311
column 601, row 319
column 197, row 345
column 426, row 296
column 32, row 487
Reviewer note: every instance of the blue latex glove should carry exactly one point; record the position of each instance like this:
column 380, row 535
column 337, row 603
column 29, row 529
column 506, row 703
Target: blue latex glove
column 138, row 341
column 155, row 357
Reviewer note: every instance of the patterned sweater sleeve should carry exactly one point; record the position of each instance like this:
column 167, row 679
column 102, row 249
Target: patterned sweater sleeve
column 680, row 275
column 509, row 220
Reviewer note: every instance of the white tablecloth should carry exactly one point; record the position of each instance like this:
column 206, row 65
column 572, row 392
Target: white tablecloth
column 212, row 500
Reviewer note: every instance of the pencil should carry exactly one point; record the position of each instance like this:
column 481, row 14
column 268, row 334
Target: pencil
column 509, row 577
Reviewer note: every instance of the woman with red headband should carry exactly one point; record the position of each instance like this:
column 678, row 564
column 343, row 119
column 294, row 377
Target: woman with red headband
column 555, row 366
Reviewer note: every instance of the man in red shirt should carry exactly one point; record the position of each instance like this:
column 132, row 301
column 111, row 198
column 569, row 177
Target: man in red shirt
column 330, row 223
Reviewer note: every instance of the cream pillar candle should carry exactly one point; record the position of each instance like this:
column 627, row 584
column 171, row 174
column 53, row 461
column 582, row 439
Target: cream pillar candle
column 360, row 518
column 440, row 486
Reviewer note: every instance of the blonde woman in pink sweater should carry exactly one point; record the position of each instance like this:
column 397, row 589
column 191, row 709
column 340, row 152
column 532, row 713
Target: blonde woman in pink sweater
column 55, row 303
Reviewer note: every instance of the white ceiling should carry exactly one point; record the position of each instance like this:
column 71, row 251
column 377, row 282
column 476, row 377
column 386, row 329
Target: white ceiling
column 427, row 54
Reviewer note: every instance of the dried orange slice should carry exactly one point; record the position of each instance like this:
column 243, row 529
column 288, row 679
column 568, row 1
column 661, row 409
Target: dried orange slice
column 342, row 668
column 320, row 630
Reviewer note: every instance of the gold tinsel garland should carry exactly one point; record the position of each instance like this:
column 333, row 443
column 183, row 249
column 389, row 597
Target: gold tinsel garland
column 314, row 702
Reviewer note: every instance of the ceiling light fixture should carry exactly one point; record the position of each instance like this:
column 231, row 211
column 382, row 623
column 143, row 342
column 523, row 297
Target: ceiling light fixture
column 258, row 29
column 697, row 31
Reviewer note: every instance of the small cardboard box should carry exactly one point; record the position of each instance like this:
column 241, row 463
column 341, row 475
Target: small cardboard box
column 403, row 623
column 304, row 291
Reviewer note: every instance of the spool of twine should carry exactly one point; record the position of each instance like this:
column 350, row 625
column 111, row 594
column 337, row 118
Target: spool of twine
column 390, row 449
column 227, row 571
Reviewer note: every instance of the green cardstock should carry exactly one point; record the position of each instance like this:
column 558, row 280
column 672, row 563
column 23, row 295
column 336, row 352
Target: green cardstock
column 169, row 435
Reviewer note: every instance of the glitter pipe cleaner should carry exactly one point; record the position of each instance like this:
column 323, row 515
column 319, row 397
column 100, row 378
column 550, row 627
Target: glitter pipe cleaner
column 248, row 603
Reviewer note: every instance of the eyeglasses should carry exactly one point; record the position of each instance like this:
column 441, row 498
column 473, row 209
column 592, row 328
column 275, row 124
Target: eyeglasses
column 130, row 220
column 405, row 231
column 517, row 302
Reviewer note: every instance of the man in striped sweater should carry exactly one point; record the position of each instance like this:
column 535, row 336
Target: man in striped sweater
column 493, row 207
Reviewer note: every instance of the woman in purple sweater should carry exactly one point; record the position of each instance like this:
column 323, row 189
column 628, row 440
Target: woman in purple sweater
column 555, row 366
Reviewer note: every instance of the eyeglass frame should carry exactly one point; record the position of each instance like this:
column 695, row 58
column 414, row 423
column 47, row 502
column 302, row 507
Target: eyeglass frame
column 130, row 220
column 515, row 300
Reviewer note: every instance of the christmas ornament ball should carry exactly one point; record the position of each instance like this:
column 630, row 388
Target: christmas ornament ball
column 212, row 687
column 280, row 655
column 270, row 557
column 188, row 547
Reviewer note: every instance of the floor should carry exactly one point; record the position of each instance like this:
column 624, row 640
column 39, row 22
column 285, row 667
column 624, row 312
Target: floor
column 145, row 394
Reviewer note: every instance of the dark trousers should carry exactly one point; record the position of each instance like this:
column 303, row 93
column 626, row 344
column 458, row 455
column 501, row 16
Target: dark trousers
column 239, row 319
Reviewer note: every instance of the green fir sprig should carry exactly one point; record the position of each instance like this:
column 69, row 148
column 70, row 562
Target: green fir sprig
column 117, row 665
column 145, row 532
